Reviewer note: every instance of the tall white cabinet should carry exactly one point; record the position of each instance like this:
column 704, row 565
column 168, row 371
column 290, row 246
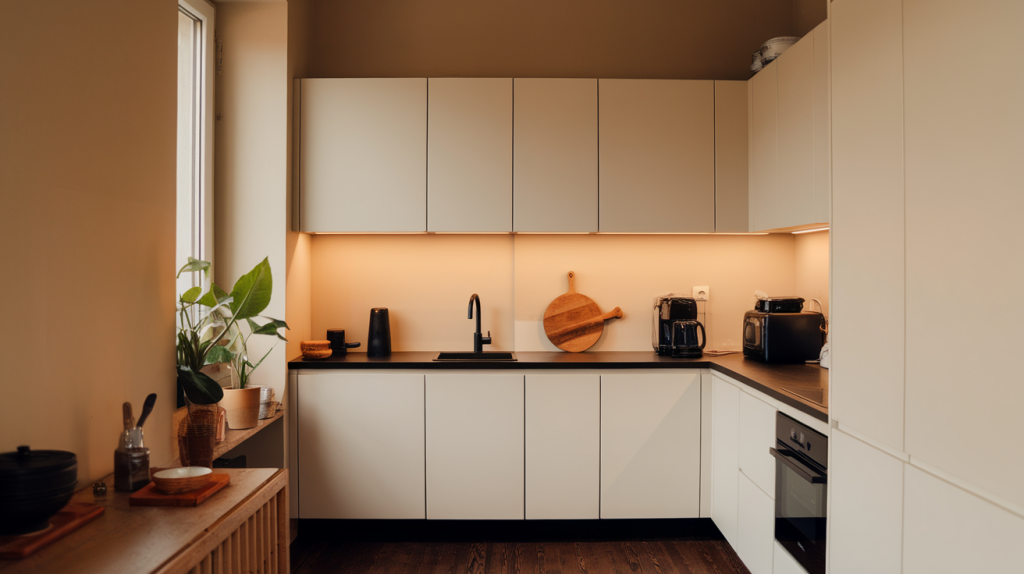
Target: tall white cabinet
column 469, row 159
column 363, row 154
column 555, row 155
column 657, row 155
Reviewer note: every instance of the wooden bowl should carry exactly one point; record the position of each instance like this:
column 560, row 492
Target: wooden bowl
column 315, row 349
column 181, row 479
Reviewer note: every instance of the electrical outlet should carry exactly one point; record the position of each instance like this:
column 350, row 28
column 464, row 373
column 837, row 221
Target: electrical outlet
column 701, row 292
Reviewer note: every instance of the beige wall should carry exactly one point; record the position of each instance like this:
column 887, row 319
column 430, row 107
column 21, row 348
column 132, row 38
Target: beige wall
column 87, row 161
column 811, row 253
column 252, row 160
column 298, row 311
column 426, row 280
column 689, row 39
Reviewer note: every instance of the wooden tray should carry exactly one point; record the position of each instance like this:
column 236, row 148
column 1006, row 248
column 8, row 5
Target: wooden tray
column 149, row 496
column 67, row 520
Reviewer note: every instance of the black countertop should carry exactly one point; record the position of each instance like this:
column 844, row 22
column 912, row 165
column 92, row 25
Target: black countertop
column 768, row 379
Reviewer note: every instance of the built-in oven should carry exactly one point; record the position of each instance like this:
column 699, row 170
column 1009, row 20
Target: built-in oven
column 801, row 461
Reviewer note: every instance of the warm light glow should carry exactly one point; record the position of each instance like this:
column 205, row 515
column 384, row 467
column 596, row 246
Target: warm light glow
column 810, row 230
column 671, row 233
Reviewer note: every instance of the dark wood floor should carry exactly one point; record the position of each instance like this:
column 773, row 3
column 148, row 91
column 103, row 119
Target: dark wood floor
column 321, row 555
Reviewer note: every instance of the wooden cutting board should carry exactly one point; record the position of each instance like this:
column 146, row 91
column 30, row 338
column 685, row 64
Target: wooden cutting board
column 67, row 520
column 573, row 322
column 149, row 496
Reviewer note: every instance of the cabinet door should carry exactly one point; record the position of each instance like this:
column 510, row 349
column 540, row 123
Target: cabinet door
column 657, row 155
column 360, row 446
column 363, row 154
column 731, row 161
column 949, row 530
column 796, row 134
column 725, row 450
column 469, row 159
column 866, row 509
column 868, row 219
column 563, row 446
column 755, row 529
column 475, row 450
column 764, row 148
column 784, row 563
column 650, row 445
column 757, row 435
column 822, row 126
column 555, row 159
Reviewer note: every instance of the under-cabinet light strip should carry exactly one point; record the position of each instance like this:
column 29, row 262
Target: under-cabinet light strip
column 810, row 230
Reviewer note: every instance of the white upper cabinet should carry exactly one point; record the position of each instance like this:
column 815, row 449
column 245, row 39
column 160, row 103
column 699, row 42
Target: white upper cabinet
column 764, row 148
column 657, row 155
column 796, row 134
column 731, row 159
column 822, row 126
column 790, row 155
column 469, row 154
column 363, row 154
column 868, row 231
column 555, row 157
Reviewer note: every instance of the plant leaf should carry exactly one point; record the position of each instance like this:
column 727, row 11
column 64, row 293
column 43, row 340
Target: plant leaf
column 198, row 387
column 194, row 265
column 191, row 295
column 214, row 296
column 219, row 354
column 270, row 328
column 251, row 293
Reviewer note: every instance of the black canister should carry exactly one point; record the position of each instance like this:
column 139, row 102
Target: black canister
column 378, row 342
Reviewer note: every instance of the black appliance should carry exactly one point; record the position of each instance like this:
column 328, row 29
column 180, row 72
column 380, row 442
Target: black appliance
column 667, row 310
column 684, row 339
column 777, row 331
column 801, row 461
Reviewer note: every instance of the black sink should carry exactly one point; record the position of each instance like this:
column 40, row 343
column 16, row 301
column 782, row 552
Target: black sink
column 489, row 356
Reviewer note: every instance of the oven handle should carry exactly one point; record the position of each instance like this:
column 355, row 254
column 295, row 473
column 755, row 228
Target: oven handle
column 801, row 470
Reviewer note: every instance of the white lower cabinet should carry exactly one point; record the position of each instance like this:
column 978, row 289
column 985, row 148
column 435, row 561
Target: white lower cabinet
column 784, row 563
column 866, row 509
column 725, row 456
column 475, row 446
column 360, row 446
column 949, row 530
column 563, row 446
column 755, row 528
column 757, row 436
column 650, row 445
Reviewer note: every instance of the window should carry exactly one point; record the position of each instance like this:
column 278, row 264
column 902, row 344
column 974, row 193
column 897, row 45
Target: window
column 195, row 135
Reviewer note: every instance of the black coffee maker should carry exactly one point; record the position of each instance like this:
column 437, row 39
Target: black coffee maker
column 667, row 310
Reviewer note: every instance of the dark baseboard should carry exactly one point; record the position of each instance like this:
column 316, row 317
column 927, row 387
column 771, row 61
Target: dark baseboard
column 508, row 530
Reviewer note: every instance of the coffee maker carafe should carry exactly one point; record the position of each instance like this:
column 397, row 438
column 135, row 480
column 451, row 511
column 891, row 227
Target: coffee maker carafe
column 667, row 310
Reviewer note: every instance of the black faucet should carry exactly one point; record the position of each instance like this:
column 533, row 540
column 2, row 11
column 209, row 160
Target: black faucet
column 478, row 339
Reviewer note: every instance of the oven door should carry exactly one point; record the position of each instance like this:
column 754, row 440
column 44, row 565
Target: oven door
column 800, row 511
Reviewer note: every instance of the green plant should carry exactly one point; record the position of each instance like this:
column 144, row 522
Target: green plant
column 208, row 327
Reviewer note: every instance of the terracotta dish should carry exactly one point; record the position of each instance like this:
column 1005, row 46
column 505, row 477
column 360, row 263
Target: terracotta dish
column 182, row 479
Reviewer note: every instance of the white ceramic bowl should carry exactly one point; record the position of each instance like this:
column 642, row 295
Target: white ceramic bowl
column 181, row 479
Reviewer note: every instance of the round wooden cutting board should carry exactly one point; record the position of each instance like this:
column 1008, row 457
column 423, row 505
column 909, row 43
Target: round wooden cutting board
column 573, row 322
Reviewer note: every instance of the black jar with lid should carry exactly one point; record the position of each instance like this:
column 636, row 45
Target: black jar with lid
column 34, row 485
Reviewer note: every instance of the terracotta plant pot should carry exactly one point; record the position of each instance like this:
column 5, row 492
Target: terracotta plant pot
column 242, row 406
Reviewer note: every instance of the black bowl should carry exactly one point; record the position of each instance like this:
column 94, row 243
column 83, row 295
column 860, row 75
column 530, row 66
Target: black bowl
column 36, row 485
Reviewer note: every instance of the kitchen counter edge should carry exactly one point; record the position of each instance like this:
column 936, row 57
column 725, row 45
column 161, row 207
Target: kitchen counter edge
column 768, row 379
